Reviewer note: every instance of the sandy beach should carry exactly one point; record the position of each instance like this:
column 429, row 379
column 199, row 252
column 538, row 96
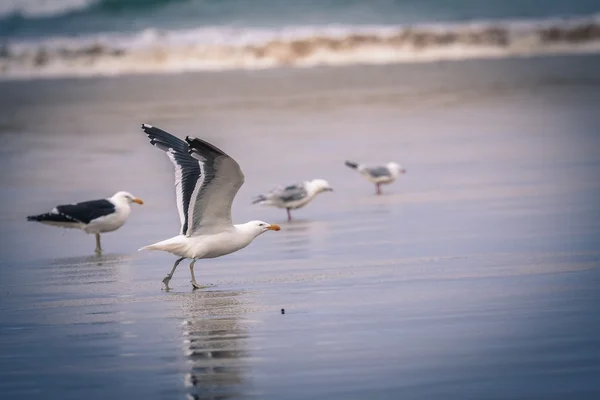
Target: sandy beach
column 475, row 275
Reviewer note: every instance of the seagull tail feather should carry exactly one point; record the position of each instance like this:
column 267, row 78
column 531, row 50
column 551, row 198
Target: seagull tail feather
column 259, row 199
column 174, row 245
column 47, row 217
column 156, row 246
column 351, row 164
column 56, row 219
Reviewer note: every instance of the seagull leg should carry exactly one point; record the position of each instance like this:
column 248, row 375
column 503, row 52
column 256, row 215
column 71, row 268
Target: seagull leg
column 289, row 214
column 194, row 283
column 378, row 185
column 167, row 278
column 98, row 246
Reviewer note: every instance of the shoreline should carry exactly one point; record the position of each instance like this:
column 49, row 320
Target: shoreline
column 157, row 52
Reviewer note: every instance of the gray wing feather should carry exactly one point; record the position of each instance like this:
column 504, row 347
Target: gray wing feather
column 292, row 193
column 206, row 178
column 215, row 191
column 187, row 170
column 283, row 195
column 378, row 172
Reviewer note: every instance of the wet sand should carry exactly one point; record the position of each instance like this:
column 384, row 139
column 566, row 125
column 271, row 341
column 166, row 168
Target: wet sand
column 475, row 276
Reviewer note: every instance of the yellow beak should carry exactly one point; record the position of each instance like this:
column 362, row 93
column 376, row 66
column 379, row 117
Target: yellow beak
column 139, row 201
column 274, row 227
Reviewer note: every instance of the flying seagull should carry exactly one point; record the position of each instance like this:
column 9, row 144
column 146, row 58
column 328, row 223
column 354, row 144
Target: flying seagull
column 206, row 181
column 294, row 196
column 380, row 174
column 95, row 216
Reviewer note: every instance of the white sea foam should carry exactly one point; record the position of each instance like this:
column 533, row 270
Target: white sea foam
column 42, row 8
column 219, row 48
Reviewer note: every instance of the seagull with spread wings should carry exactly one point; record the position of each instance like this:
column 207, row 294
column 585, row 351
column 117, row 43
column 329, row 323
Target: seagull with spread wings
column 206, row 182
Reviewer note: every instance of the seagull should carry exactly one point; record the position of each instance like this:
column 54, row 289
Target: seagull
column 380, row 174
column 293, row 196
column 206, row 181
column 94, row 216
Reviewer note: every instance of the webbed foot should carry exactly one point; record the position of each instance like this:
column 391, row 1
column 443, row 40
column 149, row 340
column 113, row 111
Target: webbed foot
column 195, row 285
column 166, row 281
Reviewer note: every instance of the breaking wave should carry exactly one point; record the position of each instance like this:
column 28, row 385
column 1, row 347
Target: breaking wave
column 219, row 48
column 36, row 9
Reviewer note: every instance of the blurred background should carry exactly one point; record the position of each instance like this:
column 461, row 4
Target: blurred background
column 106, row 37
column 474, row 276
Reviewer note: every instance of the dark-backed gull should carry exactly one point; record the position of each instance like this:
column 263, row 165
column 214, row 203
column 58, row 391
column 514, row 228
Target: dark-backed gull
column 95, row 216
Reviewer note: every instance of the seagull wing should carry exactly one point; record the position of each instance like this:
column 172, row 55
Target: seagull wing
column 291, row 193
column 221, row 178
column 187, row 170
column 378, row 172
column 87, row 211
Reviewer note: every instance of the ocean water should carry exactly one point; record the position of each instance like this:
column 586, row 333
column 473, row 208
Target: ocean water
column 109, row 37
column 49, row 17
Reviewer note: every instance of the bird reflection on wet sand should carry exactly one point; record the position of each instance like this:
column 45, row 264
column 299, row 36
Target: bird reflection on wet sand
column 214, row 344
column 98, row 268
column 297, row 242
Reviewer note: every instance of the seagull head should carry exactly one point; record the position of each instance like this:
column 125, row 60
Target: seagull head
column 126, row 197
column 258, row 227
column 320, row 185
column 396, row 169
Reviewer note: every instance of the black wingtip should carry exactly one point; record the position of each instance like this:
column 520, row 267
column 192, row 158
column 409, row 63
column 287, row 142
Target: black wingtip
column 196, row 145
column 258, row 199
column 33, row 218
column 351, row 164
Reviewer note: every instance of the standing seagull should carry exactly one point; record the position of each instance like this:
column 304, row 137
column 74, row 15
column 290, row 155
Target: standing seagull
column 95, row 216
column 379, row 175
column 206, row 181
column 293, row 196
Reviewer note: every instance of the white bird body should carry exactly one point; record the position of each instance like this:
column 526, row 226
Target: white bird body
column 206, row 182
column 379, row 174
column 111, row 222
column 294, row 196
column 382, row 179
column 214, row 245
column 93, row 217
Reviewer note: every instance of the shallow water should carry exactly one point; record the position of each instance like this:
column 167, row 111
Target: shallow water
column 474, row 276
